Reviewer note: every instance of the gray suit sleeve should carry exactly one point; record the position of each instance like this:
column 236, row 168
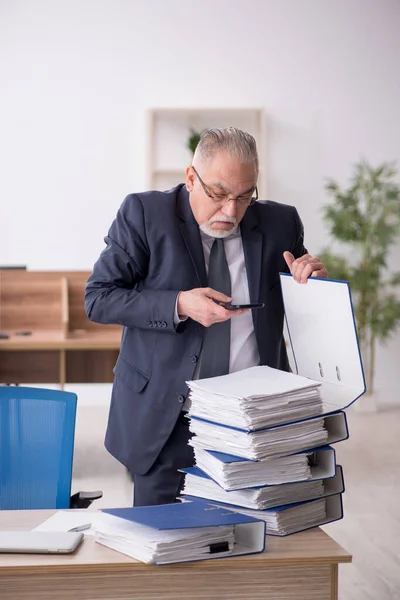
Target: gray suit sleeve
column 113, row 292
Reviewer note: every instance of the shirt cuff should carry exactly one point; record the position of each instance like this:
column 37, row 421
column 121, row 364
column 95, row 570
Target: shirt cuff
column 177, row 318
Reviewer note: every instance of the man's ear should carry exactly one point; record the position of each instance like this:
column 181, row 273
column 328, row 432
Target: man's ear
column 189, row 179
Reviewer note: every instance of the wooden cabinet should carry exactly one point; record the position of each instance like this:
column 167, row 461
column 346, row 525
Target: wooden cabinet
column 50, row 338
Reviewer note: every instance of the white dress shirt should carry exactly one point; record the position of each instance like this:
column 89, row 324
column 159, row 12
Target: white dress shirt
column 244, row 350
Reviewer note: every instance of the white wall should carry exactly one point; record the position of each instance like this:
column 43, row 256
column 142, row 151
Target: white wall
column 76, row 78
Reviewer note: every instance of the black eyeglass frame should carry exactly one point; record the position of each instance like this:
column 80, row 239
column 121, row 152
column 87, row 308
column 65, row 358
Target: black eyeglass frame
column 253, row 199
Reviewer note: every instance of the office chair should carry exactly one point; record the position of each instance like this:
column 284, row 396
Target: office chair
column 37, row 428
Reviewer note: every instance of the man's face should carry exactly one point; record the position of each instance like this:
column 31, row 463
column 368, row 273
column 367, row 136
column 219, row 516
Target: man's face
column 232, row 186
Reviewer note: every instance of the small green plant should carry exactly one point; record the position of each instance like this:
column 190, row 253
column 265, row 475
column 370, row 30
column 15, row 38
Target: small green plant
column 193, row 140
column 366, row 218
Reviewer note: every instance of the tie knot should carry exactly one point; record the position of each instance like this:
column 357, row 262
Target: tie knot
column 218, row 245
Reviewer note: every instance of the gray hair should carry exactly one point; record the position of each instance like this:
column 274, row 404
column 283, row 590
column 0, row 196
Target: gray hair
column 237, row 143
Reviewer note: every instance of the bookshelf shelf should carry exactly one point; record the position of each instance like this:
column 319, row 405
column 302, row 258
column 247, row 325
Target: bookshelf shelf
column 168, row 132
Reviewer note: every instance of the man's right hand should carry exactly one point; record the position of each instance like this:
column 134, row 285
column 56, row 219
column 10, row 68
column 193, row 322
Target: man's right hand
column 199, row 305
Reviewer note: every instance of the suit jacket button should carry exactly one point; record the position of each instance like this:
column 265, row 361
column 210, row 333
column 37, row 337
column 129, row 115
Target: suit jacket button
column 193, row 358
column 181, row 399
column 164, row 324
column 149, row 323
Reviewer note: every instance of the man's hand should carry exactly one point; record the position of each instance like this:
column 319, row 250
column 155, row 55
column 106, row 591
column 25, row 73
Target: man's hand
column 304, row 267
column 199, row 305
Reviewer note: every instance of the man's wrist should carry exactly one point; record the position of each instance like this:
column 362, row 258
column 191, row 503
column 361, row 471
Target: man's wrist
column 179, row 317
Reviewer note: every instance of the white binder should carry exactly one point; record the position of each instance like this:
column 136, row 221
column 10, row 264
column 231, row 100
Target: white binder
column 323, row 337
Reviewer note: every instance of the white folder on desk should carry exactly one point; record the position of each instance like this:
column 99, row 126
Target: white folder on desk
column 323, row 337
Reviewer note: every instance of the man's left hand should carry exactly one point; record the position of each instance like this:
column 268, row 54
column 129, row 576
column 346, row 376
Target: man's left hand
column 304, row 267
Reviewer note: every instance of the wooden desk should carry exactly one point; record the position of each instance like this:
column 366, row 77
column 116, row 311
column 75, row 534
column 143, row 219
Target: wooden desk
column 49, row 357
column 63, row 345
column 299, row 567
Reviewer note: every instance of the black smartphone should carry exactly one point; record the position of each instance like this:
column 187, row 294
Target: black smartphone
column 242, row 306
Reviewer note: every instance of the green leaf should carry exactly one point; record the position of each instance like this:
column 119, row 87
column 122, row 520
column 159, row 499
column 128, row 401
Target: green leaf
column 394, row 280
column 337, row 266
column 385, row 317
column 193, row 140
column 365, row 217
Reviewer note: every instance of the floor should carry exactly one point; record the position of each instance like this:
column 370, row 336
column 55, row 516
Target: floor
column 371, row 463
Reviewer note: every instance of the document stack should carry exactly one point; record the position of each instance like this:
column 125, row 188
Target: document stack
column 179, row 532
column 262, row 437
column 251, row 457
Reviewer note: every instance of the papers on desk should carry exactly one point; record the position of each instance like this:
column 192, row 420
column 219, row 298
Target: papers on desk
column 255, row 398
column 65, row 520
column 234, row 473
column 179, row 532
column 197, row 483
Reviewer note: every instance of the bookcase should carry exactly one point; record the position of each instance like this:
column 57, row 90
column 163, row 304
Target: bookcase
column 169, row 130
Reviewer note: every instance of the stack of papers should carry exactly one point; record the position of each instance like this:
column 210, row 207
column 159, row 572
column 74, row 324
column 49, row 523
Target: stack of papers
column 269, row 416
column 255, row 398
column 266, row 443
column 235, row 473
column 179, row 532
column 201, row 485
column 152, row 546
column 285, row 520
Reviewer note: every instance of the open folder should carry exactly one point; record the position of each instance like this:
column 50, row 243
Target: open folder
column 329, row 376
column 323, row 337
column 179, row 532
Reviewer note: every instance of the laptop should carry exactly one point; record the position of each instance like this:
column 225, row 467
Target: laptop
column 39, row 542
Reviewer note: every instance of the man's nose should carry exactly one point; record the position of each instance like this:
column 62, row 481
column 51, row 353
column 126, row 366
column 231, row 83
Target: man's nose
column 229, row 209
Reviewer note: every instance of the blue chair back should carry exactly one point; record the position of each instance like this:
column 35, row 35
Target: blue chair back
column 37, row 428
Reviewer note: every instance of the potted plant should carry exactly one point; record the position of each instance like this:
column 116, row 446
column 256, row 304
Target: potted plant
column 365, row 218
column 193, row 140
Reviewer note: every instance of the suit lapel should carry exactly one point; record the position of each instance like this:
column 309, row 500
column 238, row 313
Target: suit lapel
column 191, row 235
column 251, row 238
column 252, row 247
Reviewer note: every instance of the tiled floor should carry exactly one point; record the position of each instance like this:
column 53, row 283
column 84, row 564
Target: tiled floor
column 370, row 529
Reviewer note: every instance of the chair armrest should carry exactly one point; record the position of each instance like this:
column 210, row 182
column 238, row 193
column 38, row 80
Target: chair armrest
column 84, row 499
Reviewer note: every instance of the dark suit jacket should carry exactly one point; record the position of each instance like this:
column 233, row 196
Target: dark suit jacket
column 153, row 251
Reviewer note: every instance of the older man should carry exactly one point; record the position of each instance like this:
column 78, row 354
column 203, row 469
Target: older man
column 170, row 258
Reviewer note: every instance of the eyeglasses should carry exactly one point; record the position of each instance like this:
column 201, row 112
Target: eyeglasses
column 224, row 199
